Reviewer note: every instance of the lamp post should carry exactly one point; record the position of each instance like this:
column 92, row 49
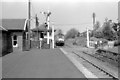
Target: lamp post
column 29, row 19
column 93, row 15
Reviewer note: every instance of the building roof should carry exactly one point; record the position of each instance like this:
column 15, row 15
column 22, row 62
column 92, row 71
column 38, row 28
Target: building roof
column 13, row 24
column 2, row 28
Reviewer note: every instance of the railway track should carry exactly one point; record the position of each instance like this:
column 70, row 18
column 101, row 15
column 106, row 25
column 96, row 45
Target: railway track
column 108, row 54
column 97, row 65
column 105, row 57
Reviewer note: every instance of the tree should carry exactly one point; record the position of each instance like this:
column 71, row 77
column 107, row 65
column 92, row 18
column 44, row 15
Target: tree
column 107, row 31
column 115, row 26
column 98, row 34
column 78, row 35
column 94, row 32
column 118, row 31
column 96, row 26
column 72, row 33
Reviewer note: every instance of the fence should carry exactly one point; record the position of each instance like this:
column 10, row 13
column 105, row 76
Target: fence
column 92, row 44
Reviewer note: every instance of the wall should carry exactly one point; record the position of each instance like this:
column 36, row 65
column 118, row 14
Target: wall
column 25, row 44
column 6, row 42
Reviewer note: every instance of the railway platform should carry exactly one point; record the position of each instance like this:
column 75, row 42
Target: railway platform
column 39, row 63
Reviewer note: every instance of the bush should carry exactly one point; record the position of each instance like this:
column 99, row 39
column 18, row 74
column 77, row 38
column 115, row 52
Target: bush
column 72, row 33
column 107, row 31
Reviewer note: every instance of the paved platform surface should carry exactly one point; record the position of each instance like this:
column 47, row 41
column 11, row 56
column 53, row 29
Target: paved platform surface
column 39, row 64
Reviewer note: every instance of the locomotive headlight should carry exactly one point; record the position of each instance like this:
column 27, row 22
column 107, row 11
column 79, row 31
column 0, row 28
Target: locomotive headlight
column 60, row 39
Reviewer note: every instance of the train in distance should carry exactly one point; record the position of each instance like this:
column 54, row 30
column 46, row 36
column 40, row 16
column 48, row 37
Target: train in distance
column 59, row 40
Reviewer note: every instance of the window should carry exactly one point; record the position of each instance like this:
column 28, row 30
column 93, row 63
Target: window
column 15, row 44
column 42, row 35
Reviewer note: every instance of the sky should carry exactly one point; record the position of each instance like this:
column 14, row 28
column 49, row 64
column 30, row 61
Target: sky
column 66, row 14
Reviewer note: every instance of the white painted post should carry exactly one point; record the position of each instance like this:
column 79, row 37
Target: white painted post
column 48, row 29
column 53, row 37
column 40, row 43
column 87, row 37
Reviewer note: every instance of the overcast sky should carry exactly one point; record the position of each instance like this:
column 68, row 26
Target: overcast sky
column 65, row 13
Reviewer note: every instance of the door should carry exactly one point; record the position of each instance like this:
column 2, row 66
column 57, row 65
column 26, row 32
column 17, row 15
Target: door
column 17, row 43
column 20, row 43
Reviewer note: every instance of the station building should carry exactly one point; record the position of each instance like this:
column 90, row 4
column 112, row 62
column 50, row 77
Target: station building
column 13, row 35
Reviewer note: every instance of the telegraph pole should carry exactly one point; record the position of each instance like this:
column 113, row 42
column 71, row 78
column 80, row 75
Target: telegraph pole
column 37, row 24
column 48, row 23
column 93, row 15
column 29, row 18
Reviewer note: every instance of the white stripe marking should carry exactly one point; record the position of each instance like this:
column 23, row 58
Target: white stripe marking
column 80, row 67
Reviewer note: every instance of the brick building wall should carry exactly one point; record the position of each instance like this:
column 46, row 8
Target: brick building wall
column 6, row 43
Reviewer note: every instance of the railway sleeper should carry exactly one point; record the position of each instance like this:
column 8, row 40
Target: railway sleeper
column 112, row 56
column 95, row 65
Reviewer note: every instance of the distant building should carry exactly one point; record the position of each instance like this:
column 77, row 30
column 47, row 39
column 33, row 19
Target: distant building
column 13, row 35
column 40, row 33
